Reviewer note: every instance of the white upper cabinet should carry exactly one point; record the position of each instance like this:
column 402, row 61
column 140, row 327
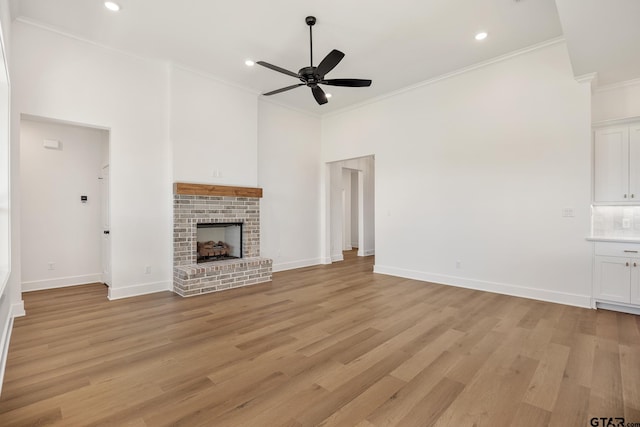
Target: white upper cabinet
column 617, row 164
column 634, row 161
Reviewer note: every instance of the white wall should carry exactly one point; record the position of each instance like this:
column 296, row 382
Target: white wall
column 214, row 131
column 56, row 226
column 289, row 173
column 616, row 101
column 62, row 78
column 477, row 168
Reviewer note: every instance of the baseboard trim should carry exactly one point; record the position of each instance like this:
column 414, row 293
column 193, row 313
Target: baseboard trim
column 292, row 265
column 61, row 282
column 482, row 285
column 137, row 290
column 624, row 308
column 367, row 252
column 337, row 257
column 17, row 310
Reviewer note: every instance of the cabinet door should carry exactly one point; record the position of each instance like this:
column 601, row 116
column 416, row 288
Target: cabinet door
column 612, row 278
column 634, row 162
column 611, row 168
column 635, row 282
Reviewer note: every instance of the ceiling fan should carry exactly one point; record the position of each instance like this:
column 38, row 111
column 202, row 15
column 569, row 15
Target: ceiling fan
column 313, row 76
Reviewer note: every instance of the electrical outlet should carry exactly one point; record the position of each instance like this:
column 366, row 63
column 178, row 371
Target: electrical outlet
column 147, row 269
column 52, row 265
column 568, row 213
column 458, row 264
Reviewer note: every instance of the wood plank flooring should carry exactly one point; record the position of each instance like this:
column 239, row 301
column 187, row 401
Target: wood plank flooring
column 326, row 345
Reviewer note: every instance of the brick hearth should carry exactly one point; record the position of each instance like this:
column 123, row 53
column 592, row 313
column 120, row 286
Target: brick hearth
column 200, row 206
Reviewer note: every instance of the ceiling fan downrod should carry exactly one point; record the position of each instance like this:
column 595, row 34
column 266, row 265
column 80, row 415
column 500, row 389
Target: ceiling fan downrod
column 311, row 21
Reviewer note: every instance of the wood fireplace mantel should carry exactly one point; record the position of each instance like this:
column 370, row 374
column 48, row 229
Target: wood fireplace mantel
column 215, row 190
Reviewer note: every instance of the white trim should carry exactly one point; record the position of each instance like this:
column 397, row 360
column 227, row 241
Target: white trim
column 41, row 119
column 501, row 58
column 17, row 309
column 366, row 252
column 325, row 261
column 54, row 30
column 209, row 76
column 136, row 290
column 61, row 282
column 296, row 264
column 616, row 122
column 624, row 308
column 613, row 86
column 4, row 346
column 337, row 257
column 4, row 279
column 591, row 78
column 204, row 74
column 482, row 285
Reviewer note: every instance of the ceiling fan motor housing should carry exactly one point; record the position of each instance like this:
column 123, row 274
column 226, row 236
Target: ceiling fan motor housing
column 308, row 75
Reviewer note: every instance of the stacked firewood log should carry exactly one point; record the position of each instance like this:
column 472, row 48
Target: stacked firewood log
column 211, row 248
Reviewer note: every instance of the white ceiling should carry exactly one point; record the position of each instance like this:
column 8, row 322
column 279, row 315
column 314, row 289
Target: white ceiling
column 396, row 44
column 603, row 36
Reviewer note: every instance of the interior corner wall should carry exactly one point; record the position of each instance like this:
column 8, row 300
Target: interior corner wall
column 289, row 173
column 214, row 131
column 65, row 79
column 472, row 173
column 56, row 226
column 617, row 102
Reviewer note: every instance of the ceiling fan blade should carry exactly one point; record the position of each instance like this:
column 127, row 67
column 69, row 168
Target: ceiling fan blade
column 347, row 82
column 319, row 95
column 273, row 92
column 278, row 69
column 329, row 62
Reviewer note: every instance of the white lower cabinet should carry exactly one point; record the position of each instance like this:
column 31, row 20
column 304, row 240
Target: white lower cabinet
column 617, row 273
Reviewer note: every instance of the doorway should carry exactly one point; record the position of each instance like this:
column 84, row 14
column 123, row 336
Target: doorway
column 64, row 204
column 350, row 213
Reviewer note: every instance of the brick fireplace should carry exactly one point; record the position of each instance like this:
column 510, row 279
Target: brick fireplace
column 195, row 204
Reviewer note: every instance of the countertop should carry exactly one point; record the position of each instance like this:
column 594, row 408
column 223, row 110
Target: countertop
column 614, row 239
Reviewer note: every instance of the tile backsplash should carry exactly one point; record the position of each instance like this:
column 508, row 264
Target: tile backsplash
column 615, row 221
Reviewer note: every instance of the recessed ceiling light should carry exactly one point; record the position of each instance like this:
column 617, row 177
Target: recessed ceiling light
column 112, row 6
column 249, row 63
column 481, row 36
column 328, row 95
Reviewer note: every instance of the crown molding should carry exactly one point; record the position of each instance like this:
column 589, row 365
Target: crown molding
column 619, row 85
column 479, row 65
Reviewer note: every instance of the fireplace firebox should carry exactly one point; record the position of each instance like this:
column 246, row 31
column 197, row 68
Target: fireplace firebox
column 218, row 241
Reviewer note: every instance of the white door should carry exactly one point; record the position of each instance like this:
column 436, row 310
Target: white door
column 612, row 278
column 611, row 169
column 106, row 236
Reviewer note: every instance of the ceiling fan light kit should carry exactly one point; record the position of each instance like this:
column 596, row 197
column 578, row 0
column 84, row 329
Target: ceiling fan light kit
column 313, row 76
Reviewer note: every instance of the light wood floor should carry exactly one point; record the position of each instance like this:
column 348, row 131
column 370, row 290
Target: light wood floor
column 328, row 345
